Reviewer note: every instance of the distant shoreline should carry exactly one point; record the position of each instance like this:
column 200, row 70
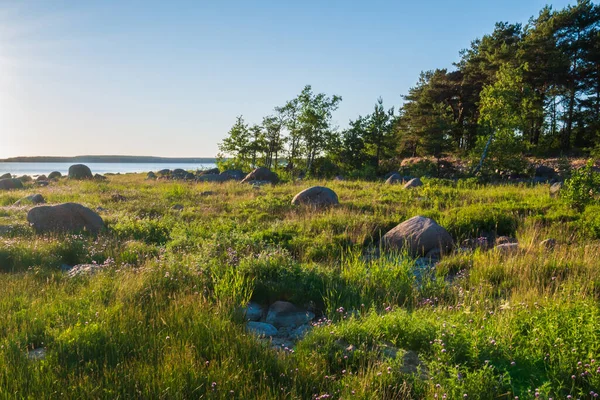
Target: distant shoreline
column 112, row 159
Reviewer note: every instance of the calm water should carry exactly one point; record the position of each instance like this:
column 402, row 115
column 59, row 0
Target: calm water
column 32, row 168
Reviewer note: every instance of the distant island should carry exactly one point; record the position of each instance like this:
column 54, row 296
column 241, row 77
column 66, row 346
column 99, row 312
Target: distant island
column 111, row 159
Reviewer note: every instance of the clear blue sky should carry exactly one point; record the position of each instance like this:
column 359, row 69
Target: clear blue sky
column 167, row 78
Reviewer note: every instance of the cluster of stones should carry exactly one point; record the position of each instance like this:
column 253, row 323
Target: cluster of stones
column 282, row 323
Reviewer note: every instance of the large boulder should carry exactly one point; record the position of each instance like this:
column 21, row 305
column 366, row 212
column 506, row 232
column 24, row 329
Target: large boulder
column 80, row 171
column 393, row 179
column 32, row 199
column 54, row 175
column 284, row 314
column 234, row 174
column 178, row 173
column 261, row 174
column 317, row 196
column 6, row 176
column 71, row 217
column 418, row 235
column 151, row 175
column 10, row 183
column 415, row 182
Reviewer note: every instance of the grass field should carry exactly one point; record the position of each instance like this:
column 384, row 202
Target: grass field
column 162, row 319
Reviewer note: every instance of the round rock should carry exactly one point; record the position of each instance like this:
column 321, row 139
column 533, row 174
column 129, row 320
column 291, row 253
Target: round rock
column 316, row 196
column 80, row 171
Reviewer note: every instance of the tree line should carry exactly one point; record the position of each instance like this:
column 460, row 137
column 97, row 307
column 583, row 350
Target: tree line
column 521, row 90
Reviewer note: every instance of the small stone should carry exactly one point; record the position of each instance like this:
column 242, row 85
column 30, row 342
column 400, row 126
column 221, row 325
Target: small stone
column 548, row 244
column 253, row 312
column 508, row 248
column 261, row 329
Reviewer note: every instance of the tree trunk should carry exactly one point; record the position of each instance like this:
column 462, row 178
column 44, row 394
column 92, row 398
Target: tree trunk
column 484, row 154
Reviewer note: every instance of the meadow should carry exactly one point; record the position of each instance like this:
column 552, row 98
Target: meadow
column 162, row 319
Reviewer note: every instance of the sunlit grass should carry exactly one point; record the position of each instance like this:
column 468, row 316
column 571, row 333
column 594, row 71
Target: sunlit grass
column 162, row 319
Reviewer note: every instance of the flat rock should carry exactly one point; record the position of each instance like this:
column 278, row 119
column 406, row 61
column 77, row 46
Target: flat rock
column 261, row 329
column 285, row 314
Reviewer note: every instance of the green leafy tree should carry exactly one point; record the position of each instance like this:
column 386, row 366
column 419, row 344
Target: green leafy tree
column 314, row 122
column 504, row 106
column 236, row 145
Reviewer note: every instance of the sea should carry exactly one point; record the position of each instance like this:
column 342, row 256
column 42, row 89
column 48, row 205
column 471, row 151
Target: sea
column 41, row 168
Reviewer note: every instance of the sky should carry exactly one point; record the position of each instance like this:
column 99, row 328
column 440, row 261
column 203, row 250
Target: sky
column 168, row 78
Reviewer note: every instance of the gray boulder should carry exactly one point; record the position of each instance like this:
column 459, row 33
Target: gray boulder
column 555, row 189
column 6, row 176
column 10, row 183
column 25, row 178
column 394, row 179
column 164, row 172
column 316, row 196
column 41, row 178
column 234, row 174
column 31, row 199
column 54, row 175
column 261, row 329
column 178, row 173
column 415, row 182
column 286, row 315
column 67, row 217
column 418, row 235
column 99, row 177
column 80, row 171
column 150, row 175
column 261, row 174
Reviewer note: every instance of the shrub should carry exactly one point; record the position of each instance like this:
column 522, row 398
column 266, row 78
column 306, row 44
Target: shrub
column 582, row 187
